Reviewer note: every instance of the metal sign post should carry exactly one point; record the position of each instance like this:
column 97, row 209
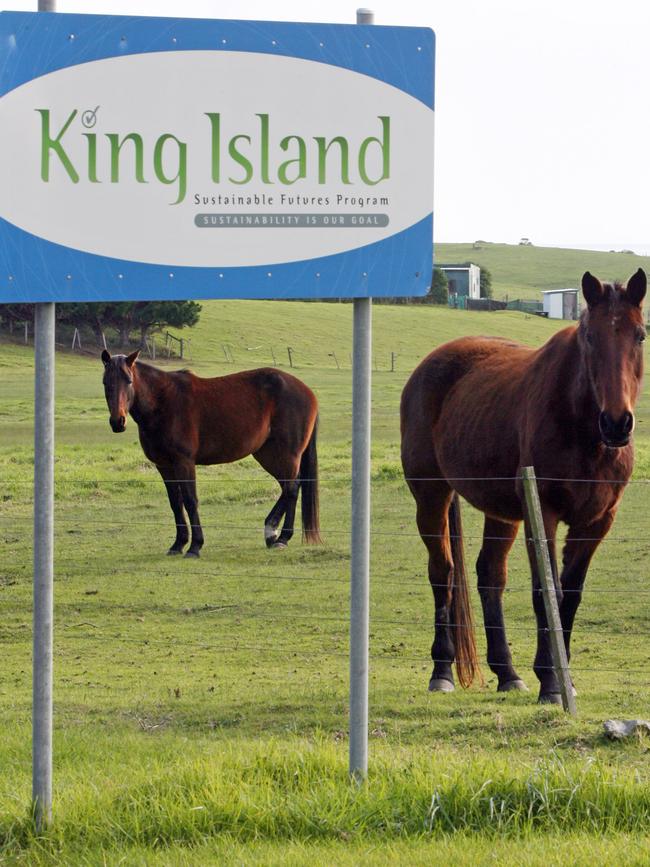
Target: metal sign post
column 360, row 530
column 42, row 677
column 360, row 537
column 43, row 563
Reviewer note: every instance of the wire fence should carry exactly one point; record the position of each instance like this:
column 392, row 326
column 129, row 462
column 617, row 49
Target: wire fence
column 115, row 590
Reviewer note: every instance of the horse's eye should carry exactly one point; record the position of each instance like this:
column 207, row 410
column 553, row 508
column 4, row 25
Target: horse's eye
column 640, row 337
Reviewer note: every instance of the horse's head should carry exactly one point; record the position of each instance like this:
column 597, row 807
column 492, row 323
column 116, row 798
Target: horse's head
column 611, row 335
column 118, row 387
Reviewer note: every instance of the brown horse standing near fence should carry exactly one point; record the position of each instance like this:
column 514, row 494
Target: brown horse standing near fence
column 184, row 420
column 477, row 410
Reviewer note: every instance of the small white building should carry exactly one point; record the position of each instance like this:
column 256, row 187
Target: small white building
column 561, row 303
column 463, row 279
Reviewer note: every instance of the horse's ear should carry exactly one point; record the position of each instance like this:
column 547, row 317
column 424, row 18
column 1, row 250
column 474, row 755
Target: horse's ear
column 592, row 289
column 636, row 287
column 106, row 357
column 131, row 359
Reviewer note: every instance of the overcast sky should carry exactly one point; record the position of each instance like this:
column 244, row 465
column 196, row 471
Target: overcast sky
column 542, row 109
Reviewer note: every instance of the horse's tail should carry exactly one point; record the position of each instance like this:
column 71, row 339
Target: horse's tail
column 309, row 491
column 467, row 665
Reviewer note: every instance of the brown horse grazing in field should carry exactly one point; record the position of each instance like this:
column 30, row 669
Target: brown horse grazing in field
column 477, row 410
column 184, row 420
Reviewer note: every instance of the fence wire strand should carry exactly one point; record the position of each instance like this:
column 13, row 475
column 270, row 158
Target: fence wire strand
column 241, row 615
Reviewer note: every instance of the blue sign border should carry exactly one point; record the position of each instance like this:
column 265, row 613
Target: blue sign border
column 33, row 269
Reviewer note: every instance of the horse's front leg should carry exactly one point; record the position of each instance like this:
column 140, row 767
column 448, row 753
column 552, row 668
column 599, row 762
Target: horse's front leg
column 175, row 496
column 549, row 686
column 581, row 543
column 187, row 478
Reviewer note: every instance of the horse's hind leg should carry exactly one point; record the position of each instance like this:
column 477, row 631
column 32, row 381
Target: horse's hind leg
column 492, row 571
column 175, row 495
column 287, row 505
column 187, row 475
column 433, row 499
column 273, row 520
column 284, row 468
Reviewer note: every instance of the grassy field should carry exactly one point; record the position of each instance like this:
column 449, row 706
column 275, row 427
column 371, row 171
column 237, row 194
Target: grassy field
column 201, row 706
column 524, row 272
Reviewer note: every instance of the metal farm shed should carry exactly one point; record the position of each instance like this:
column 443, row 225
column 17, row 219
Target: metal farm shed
column 561, row 303
column 464, row 280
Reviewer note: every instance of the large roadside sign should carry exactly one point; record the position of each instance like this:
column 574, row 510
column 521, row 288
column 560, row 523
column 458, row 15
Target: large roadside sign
column 152, row 158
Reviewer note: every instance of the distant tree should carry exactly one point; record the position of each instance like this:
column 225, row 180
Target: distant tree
column 13, row 313
column 82, row 314
column 122, row 317
column 486, row 283
column 154, row 315
column 125, row 317
column 439, row 291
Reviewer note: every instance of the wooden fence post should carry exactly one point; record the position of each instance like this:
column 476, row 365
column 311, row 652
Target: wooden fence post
column 556, row 635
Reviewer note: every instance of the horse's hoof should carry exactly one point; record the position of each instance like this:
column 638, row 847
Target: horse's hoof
column 271, row 536
column 191, row 554
column 440, row 684
column 549, row 698
column 278, row 545
column 516, row 685
column 174, row 552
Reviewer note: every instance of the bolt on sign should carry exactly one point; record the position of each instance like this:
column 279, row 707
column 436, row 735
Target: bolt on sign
column 150, row 158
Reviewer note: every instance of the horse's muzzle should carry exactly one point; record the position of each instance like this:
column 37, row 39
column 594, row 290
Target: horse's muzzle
column 118, row 424
column 615, row 434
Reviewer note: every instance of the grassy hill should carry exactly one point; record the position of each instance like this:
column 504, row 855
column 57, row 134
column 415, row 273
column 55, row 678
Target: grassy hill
column 320, row 335
column 524, row 272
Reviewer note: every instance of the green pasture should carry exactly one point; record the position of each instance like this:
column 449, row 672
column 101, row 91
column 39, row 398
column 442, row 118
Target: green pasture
column 201, row 706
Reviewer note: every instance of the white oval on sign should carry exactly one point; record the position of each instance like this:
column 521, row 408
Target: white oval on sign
column 117, row 157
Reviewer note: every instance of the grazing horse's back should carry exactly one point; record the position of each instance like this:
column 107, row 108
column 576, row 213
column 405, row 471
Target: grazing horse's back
column 441, row 417
column 238, row 413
